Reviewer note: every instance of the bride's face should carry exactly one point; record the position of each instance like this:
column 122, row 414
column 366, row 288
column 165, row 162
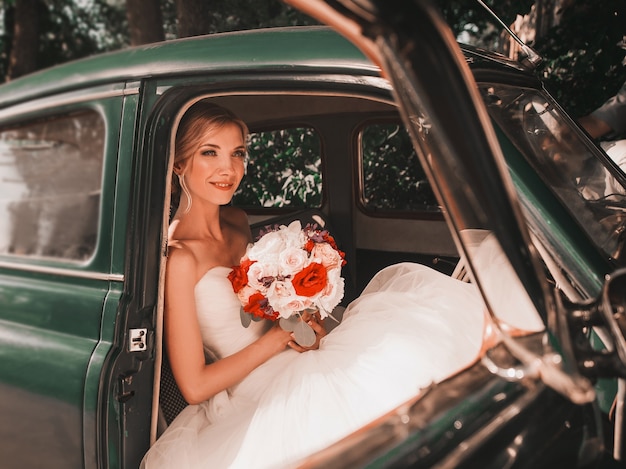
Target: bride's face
column 217, row 165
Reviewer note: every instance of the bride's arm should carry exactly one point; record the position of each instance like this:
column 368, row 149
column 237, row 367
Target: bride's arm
column 196, row 380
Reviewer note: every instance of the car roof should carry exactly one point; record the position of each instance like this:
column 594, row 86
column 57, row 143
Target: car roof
column 290, row 48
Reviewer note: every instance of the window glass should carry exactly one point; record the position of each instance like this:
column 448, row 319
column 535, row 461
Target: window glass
column 392, row 177
column 592, row 189
column 283, row 170
column 50, row 184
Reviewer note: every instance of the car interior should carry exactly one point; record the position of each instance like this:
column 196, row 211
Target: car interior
column 373, row 236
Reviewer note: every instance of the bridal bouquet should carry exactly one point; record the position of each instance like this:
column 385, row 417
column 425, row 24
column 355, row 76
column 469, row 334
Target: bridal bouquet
column 288, row 271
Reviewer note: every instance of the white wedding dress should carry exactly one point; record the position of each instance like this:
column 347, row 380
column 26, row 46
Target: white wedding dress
column 410, row 327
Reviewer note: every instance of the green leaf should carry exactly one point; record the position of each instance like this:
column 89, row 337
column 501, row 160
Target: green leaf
column 302, row 332
column 246, row 318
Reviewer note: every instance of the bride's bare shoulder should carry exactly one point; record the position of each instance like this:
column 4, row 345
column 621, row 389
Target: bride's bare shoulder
column 179, row 255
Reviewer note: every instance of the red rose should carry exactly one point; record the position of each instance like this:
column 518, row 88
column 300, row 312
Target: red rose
column 310, row 280
column 239, row 275
column 257, row 304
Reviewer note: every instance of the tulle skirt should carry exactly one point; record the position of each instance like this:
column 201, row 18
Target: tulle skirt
column 410, row 327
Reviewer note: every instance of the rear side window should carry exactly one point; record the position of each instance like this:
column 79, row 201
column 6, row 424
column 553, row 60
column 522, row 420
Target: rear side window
column 50, row 185
column 392, row 178
column 284, row 170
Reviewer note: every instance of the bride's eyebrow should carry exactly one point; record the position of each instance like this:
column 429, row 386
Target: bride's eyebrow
column 217, row 147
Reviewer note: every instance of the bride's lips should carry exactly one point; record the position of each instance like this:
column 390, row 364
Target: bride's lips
column 224, row 186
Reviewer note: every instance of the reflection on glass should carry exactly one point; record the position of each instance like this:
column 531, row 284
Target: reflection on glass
column 507, row 296
column 50, row 184
column 591, row 188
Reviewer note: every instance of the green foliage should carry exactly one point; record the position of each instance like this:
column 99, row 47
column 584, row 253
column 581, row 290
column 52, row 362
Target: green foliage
column 71, row 31
column 233, row 15
column 68, row 31
column 583, row 63
column 283, row 170
column 393, row 178
column 468, row 19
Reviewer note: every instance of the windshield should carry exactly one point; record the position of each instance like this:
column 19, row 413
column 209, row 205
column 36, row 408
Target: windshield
column 590, row 186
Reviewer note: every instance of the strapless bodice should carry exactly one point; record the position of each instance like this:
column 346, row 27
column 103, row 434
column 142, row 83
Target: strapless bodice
column 218, row 315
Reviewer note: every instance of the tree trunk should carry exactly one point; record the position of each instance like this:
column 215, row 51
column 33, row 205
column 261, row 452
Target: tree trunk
column 145, row 21
column 194, row 17
column 23, row 57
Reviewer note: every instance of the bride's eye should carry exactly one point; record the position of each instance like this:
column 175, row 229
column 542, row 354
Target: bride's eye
column 240, row 154
column 208, row 153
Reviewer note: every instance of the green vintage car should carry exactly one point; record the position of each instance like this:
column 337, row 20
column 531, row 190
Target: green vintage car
column 85, row 155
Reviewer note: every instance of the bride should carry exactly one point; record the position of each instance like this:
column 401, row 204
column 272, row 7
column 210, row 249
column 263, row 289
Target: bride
column 263, row 400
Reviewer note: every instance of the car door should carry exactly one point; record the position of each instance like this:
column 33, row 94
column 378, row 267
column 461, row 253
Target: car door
column 451, row 132
column 59, row 163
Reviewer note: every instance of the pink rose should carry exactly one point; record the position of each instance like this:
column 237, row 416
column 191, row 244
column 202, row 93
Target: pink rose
column 332, row 293
column 245, row 293
column 327, row 255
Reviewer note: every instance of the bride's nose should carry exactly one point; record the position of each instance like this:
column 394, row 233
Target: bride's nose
column 226, row 166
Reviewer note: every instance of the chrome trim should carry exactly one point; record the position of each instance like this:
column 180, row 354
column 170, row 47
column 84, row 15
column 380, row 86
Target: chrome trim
column 42, row 269
column 618, row 450
column 64, row 100
column 474, row 441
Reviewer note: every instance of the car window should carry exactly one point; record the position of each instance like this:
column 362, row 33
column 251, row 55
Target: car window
column 392, row 178
column 591, row 189
column 50, row 184
column 283, row 170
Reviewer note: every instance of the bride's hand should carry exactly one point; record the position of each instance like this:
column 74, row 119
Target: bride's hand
column 315, row 321
column 277, row 339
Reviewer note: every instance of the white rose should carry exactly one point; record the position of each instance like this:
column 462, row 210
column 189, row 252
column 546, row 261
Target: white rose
column 293, row 260
column 267, row 248
column 292, row 235
column 332, row 293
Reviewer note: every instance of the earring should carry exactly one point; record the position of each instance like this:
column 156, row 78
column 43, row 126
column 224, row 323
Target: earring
column 181, row 180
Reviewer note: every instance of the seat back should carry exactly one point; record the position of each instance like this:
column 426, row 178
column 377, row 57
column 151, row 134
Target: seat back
column 171, row 401
column 312, row 216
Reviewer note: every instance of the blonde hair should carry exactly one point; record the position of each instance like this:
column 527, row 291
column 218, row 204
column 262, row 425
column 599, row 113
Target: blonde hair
column 199, row 118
